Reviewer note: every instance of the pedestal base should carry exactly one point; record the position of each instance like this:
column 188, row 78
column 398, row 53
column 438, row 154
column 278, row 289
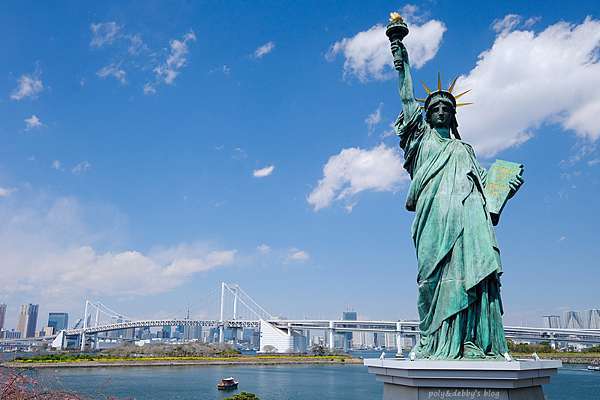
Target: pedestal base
column 462, row 380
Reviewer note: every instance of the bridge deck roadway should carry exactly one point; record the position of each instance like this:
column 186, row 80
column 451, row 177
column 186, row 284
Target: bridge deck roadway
column 407, row 327
column 401, row 327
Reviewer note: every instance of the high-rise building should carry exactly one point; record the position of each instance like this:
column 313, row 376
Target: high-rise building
column 165, row 332
column 47, row 331
column 390, row 341
column 213, row 335
column 58, row 321
column 2, row 315
column 12, row 334
column 552, row 321
column 348, row 316
column 379, row 339
column 251, row 336
column 144, row 333
column 362, row 340
column 192, row 332
column 27, row 320
column 588, row 319
column 593, row 319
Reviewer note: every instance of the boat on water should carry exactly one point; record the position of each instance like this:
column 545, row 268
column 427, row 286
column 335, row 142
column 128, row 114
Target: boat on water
column 593, row 367
column 227, row 384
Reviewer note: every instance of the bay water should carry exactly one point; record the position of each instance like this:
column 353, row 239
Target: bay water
column 282, row 382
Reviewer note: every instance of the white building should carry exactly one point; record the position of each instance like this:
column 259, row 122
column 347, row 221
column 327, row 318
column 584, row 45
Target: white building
column 390, row 340
column 363, row 340
column 280, row 340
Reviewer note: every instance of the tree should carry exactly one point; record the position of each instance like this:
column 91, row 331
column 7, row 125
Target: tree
column 243, row 396
column 270, row 349
column 319, row 350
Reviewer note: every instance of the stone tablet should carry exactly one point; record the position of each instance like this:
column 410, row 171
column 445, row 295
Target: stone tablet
column 497, row 187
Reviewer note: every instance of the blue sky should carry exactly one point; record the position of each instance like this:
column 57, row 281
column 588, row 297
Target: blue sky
column 150, row 150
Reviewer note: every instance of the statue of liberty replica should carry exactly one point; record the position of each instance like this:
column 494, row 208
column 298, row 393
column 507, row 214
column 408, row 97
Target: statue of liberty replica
column 456, row 203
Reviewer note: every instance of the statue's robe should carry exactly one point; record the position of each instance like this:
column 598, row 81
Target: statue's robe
column 459, row 303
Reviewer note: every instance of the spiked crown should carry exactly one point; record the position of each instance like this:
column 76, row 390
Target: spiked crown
column 433, row 96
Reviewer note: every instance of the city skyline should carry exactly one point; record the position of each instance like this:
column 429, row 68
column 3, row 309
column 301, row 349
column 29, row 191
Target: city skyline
column 146, row 156
column 27, row 323
column 2, row 315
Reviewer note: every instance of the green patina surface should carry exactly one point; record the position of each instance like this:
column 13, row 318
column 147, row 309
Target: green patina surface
column 459, row 264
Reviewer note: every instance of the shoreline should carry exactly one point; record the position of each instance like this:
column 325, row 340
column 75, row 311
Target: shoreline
column 177, row 363
column 231, row 361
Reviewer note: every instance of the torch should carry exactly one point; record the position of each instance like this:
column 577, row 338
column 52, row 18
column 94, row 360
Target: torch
column 396, row 31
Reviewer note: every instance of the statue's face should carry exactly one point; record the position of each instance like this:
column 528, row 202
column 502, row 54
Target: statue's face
column 440, row 115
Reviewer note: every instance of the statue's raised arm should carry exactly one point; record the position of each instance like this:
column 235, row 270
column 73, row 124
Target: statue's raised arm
column 396, row 31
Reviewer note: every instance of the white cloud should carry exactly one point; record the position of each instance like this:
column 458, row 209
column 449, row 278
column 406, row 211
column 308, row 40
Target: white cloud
column 391, row 131
column 354, row 170
column 136, row 44
column 367, row 54
column 263, row 50
column 104, row 33
column 56, row 164
column 5, row 192
column 374, row 118
column 239, row 154
column 296, row 255
column 262, row 172
column 349, row 207
column 506, row 24
column 149, row 88
column 184, row 260
column 263, row 248
column 114, row 71
column 81, row 168
column 528, row 79
column 177, row 58
column 511, row 21
column 32, row 123
column 29, row 86
column 47, row 250
column 529, row 22
column 131, row 56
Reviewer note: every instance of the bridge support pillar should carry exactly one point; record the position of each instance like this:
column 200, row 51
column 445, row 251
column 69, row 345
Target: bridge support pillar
column 221, row 333
column 399, row 339
column 331, row 332
column 82, row 341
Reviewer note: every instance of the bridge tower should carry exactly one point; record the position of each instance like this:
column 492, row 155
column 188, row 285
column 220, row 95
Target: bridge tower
column 240, row 298
column 99, row 308
column 221, row 320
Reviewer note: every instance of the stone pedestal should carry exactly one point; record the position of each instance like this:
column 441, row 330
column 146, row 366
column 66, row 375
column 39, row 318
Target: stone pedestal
column 462, row 380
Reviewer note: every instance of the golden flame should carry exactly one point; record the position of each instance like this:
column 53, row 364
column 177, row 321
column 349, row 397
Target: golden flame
column 394, row 17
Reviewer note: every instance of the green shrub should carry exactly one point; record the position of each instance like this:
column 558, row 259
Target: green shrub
column 243, row 396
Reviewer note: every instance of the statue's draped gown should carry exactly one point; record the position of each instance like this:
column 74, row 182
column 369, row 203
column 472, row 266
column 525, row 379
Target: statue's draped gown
column 459, row 262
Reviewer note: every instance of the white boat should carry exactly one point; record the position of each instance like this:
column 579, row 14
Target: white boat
column 227, row 384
